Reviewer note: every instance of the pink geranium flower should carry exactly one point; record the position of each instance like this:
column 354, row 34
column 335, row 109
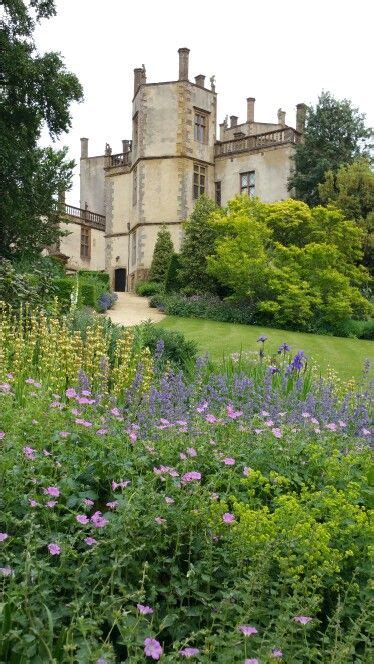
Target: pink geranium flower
column 144, row 610
column 82, row 519
column 90, row 541
column 2, row 435
column 54, row 549
column 29, row 453
column 248, row 630
column 276, row 652
column 160, row 520
column 3, row 537
column 98, row 520
column 189, row 652
column 169, row 500
column 303, row 620
column 227, row 517
column 253, row 660
column 51, row 503
column 152, row 648
column 6, row 571
column 52, row 491
column 192, row 476
column 229, row 461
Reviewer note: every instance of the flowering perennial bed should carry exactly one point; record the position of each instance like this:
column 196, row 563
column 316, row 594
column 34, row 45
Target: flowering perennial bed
column 224, row 519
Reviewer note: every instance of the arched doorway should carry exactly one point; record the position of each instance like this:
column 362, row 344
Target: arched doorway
column 120, row 279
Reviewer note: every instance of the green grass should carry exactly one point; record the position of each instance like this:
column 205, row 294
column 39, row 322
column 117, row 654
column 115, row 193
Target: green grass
column 346, row 356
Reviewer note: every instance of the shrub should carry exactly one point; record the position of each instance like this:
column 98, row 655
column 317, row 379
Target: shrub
column 148, row 288
column 167, row 345
column 63, row 288
column 106, row 301
column 87, row 296
column 161, row 256
column 206, row 306
column 100, row 276
column 172, row 282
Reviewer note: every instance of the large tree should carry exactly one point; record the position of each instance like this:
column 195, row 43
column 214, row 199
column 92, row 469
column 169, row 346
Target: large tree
column 351, row 190
column 36, row 91
column 198, row 242
column 162, row 254
column 335, row 134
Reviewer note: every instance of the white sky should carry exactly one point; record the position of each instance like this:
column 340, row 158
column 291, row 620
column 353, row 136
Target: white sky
column 282, row 53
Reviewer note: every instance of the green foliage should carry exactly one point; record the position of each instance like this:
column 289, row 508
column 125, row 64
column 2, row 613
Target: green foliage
column 171, row 347
column 297, row 266
column 36, row 91
column 198, row 241
column 172, row 282
column 148, row 288
column 63, row 287
column 351, row 189
column 100, row 276
column 335, row 134
column 161, row 256
column 87, row 294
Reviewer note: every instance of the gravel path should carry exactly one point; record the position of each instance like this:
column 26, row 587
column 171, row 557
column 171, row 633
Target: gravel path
column 130, row 309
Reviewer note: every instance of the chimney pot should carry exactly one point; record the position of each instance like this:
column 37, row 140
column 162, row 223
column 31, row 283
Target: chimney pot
column 251, row 109
column 233, row 120
column 281, row 117
column 200, row 80
column 300, row 117
column 125, row 145
column 84, row 148
column 183, row 63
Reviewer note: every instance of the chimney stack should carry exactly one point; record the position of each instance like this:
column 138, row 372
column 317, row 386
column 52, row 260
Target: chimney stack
column 281, row 117
column 300, row 117
column 125, row 145
column 233, row 121
column 200, row 80
column 251, row 109
column 138, row 78
column 84, row 148
column 183, row 63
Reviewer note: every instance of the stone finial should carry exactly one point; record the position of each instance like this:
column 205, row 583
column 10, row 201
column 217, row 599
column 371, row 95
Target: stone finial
column 213, row 83
column 108, row 150
column 183, row 63
column 84, row 148
column 233, row 120
column 301, row 110
column 251, row 109
column 200, row 80
column 281, row 117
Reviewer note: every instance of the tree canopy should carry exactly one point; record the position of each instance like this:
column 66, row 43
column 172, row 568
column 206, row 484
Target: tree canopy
column 162, row 254
column 351, row 189
column 36, row 91
column 296, row 265
column 335, row 134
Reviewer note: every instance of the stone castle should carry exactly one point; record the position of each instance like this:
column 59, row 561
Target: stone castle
column 173, row 157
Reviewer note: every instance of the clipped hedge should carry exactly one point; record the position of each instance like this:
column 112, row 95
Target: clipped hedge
column 148, row 288
column 64, row 287
column 101, row 276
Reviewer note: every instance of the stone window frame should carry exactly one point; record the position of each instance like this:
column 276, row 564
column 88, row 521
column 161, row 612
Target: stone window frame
column 199, row 180
column 218, row 192
column 201, row 125
column 247, row 183
column 85, row 244
column 135, row 186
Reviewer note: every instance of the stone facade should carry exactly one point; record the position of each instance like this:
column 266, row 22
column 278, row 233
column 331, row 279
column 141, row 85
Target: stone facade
column 173, row 156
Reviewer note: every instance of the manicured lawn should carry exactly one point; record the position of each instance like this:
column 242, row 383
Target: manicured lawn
column 346, row 356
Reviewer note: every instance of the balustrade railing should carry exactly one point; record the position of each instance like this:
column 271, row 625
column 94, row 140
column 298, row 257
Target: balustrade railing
column 121, row 159
column 91, row 218
column 248, row 143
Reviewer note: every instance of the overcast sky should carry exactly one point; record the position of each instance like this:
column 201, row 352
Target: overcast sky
column 280, row 52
